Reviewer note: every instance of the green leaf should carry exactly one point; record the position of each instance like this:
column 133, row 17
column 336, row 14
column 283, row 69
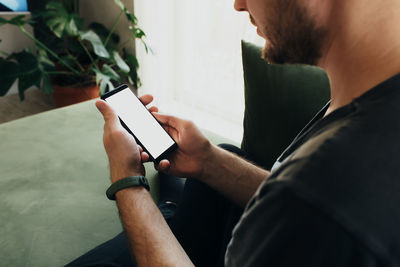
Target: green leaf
column 28, row 68
column 71, row 5
column 130, row 80
column 8, row 70
column 103, row 81
column 17, row 20
column 134, row 65
column 120, row 4
column 28, row 72
column 131, row 18
column 44, row 62
column 107, row 70
column 104, row 77
column 120, row 62
column 72, row 29
column 56, row 5
column 146, row 47
column 132, row 61
column 59, row 21
column 96, row 42
column 47, row 86
column 138, row 33
column 56, row 18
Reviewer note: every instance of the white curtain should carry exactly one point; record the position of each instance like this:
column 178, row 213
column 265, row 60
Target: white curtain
column 195, row 71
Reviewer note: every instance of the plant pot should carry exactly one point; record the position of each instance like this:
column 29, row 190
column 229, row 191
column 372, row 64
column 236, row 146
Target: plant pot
column 69, row 95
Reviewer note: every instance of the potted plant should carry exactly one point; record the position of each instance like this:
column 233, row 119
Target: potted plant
column 67, row 57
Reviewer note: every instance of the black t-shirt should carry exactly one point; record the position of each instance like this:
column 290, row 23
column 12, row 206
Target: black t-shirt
column 335, row 198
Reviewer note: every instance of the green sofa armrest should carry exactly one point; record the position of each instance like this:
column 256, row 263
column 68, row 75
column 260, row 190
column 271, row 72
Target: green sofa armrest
column 53, row 177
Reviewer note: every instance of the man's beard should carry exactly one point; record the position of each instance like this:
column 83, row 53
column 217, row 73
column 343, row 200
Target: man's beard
column 292, row 36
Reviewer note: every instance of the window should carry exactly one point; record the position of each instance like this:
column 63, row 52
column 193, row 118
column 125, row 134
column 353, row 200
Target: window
column 195, row 71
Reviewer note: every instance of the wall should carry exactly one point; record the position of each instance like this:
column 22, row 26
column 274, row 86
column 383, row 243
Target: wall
column 104, row 11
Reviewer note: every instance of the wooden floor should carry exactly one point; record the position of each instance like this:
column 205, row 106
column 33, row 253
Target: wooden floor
column 36, row 101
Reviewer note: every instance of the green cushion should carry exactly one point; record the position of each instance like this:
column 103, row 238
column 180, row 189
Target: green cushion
column 279, row 101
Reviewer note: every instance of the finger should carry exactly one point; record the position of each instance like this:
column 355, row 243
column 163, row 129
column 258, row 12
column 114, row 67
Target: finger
column 140, row 148
column 171, row 131
column 167, row 120
column 153, row 109
column 146, row 99
column 109, row 115
column 145, row 157
column 164, row 165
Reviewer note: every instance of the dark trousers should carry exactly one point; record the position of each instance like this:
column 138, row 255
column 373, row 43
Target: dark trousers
column 203, row 224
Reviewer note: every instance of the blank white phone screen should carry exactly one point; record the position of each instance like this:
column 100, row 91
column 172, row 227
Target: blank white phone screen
column 140, row 121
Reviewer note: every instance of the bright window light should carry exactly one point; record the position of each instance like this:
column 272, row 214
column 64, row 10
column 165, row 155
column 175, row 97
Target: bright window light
column 195, row 71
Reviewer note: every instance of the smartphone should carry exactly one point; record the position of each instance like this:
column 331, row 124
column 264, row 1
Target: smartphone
column 140, row 123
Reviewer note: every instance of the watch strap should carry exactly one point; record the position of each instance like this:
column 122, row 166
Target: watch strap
column 131, row 181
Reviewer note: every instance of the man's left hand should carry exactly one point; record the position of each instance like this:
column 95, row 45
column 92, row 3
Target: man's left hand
column 124, row 154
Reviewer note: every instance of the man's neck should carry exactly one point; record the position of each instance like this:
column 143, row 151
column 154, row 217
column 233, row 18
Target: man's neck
column 365, row 48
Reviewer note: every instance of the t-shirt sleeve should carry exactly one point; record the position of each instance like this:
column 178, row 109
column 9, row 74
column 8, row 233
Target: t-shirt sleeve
column 279, row 228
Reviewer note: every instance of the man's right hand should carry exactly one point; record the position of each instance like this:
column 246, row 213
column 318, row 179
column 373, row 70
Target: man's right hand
column 193, row 148
column 196, row 157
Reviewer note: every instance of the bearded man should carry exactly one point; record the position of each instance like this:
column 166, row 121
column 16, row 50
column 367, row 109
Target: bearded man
column 330, row 199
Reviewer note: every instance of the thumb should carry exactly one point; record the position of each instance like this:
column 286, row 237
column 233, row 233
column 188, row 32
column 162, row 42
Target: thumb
column 171, row 124
column 167, row 120
column 107, row 111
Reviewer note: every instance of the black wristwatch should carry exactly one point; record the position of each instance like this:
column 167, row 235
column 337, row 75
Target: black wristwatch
column 125, row 183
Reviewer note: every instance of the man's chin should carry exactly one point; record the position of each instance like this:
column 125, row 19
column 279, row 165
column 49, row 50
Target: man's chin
column 269, row 55
column 277, row 56
column 292, row 36
column 280, row 55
